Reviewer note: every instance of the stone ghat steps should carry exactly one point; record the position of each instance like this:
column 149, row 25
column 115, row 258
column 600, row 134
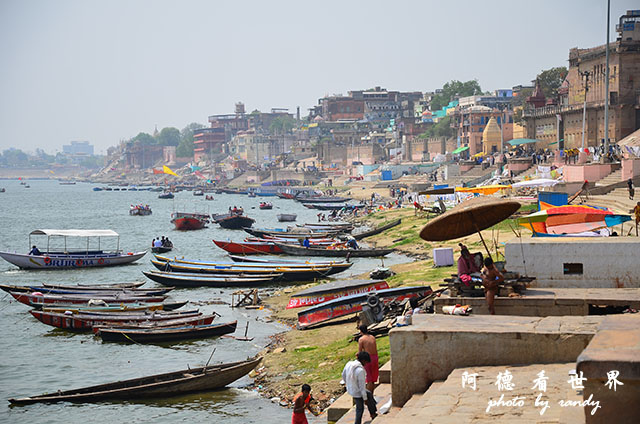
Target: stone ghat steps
column 618, row 200
column 409, row 413
column 382, row 395
column 448, row 402
column 612, row 178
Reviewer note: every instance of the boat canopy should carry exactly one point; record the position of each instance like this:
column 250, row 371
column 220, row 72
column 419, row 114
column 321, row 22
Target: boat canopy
column 75, row 233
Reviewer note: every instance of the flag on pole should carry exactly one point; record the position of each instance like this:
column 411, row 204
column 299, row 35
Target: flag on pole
column 167, row 170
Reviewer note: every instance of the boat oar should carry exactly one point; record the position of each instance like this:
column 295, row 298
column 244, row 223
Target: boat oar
column 207, row 364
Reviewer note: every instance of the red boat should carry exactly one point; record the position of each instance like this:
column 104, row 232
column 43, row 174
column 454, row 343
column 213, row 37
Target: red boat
column 266, row 205
column 348, row 305
column 189, row 221
column 247, row 247
column 334, row 290
column 85, row 322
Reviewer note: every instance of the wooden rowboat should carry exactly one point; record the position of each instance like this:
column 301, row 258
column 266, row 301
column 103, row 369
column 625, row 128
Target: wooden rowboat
column 329, row 291
column 40, row 299
column 316, row 251
column 132, row 307
column 343, row 306
column 159, row 385
column 169, row 334
column 236, row 222
column 198, row 320
column 377, row 230
column 84, row 322
column 83, row 291
column 181, row 279
column 248, row 247
column 80, row 286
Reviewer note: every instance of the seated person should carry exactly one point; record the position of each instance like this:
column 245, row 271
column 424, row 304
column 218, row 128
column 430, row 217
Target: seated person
column 35, row 251
column 306, row 242
column 352, row 243
column 157, row 243
column 466, row 263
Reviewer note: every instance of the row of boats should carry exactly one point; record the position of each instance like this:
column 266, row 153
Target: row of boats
column 118, row 313
column 323, row 239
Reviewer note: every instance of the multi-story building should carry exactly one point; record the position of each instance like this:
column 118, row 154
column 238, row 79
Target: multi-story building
column 208, row 142
column 140, row 156
column 336, row 108
column 585, row 83
column 470, row 122
column 80, row 148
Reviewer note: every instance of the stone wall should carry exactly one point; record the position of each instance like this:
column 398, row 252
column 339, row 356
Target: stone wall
column 608, row 262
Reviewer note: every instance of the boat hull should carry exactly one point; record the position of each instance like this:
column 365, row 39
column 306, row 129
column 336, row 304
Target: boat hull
column 247, row 248
column 313, row 251
column 71, row 261
column 377, row 230
column 236, row 222
column 44, row 300
column 159, row 385
column 80, row 322
column 203, row 280
column 188, row 223
column 348, row 305
column 166, row 334
column 287, row 217
column 330, row 291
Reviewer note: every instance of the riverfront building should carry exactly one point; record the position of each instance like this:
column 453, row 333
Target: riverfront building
column 586, row 79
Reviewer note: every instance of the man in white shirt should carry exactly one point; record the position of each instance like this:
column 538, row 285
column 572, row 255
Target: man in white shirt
column 354, row 376
column 157, row 243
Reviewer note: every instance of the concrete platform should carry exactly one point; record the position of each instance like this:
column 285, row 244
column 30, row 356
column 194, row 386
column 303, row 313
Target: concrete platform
column 435, row 345
column 616, row 346
column 549, row 301
column 576, row 262
column 449, row 402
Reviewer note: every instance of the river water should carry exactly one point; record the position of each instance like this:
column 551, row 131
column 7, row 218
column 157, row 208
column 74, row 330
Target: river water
column 37, row 358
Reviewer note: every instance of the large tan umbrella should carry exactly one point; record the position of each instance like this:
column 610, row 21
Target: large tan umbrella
column 468, row 217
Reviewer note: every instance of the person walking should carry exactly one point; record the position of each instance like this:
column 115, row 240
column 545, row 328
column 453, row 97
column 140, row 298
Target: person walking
column 631, row 188
column 301, row 401
column 354, row 376
column 367, row 343
column 636, row 212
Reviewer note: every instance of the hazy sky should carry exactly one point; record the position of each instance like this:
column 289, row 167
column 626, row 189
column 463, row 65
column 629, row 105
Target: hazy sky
column 103, row 71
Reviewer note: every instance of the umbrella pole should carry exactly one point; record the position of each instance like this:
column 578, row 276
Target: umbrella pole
column 481, row 238
column 485, row 244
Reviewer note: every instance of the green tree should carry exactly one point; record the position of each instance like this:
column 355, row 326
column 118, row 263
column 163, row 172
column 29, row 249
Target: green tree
column 440, row 129
column 185, row 147
column 14, row 158
column 551, row 79
column 169, row 136
column 282, row 124
column 144, row 139
column 454, row 89
column 521, row 98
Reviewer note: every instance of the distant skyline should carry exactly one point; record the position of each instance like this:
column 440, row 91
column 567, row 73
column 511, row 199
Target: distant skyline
column 99, row 71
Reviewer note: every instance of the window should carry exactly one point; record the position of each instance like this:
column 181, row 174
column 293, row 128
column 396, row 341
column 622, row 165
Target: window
column 572, row 269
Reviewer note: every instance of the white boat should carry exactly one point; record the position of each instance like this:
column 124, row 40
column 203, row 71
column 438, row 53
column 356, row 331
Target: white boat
column 66, row 258
column 287, row 217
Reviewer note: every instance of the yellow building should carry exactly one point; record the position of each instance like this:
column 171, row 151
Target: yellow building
column 491, row 139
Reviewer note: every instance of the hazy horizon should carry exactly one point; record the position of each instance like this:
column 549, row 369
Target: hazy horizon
column 78, row 70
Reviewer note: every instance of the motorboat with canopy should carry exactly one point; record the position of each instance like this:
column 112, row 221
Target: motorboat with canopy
column 65, row 256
